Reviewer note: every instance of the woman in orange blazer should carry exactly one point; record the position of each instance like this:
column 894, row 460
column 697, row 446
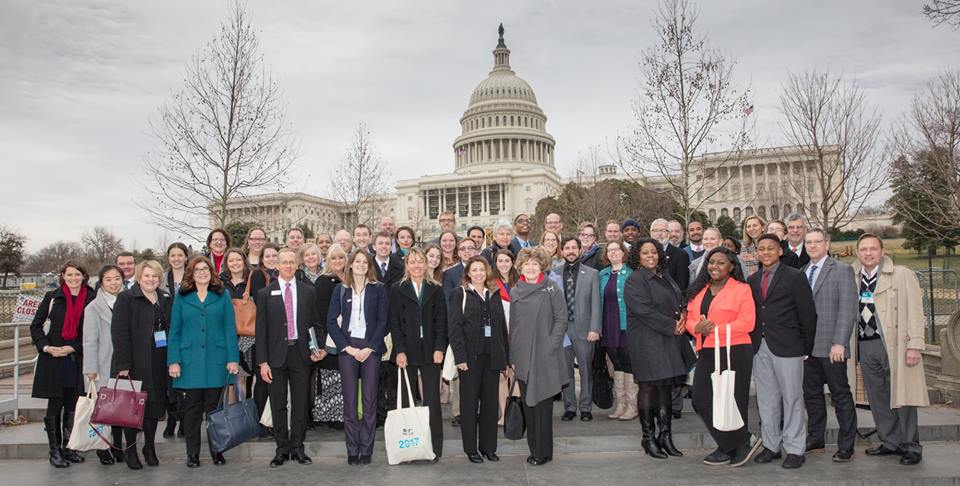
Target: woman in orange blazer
column 717, row 298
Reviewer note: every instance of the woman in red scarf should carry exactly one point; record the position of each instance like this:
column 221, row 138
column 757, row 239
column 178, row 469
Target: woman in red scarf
column 58, row 377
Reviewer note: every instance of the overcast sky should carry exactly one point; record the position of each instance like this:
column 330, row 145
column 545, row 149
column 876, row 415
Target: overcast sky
column 80, row 80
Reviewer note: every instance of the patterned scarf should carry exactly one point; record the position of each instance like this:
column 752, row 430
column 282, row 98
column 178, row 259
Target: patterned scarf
column 867, row 324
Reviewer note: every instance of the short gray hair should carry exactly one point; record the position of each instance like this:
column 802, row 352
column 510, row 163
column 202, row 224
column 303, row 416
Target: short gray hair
column 796, row 217
column 659, row 221
column 502, row 223
column 822, row 232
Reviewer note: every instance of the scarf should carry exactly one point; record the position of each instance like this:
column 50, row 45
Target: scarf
column 71, row 321
column 504, row 290
column 539, row 278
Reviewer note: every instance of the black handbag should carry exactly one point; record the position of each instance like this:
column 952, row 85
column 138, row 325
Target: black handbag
column 602, row 381
column 232, row 424
column 514, row 422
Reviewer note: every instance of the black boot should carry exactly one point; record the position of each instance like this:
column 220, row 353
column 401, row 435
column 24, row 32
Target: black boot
column 665, row 437
column 171, row 427
column 52, row 427
column 132, row 459
column 150, row 456
column 69, row 454
column 649, row 444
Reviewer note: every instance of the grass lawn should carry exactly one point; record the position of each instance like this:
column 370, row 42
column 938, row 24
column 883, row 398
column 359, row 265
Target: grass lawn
column 900, row 255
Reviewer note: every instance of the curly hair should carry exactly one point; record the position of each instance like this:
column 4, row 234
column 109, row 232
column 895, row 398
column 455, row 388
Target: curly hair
column 703, row 278
column 633, row 258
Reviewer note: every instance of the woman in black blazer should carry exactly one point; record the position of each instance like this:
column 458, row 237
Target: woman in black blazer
column 58, row 377
column 418, row 325
column 478, row 337
column 141, row 315
column 659, row 355
column 360, row 306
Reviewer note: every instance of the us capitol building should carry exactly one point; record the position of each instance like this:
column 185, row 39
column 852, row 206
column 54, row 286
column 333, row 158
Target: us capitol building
column 504, row 164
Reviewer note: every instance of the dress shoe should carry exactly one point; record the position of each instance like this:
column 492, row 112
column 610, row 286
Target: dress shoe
column 456, row 421
column 218, row 459
column 537, row 461
column 475, row 458
column 813, row 448
column 766, row 455
column 301, row 458
column 743, row 453
column 843, row 456
column 491, row 456
column 193, row 460
column 105, row 457
column 133, row 459
column 365, row 459
column 910, row 459
column 586, row 416
column 150, row 457
column 568, row 416
column 882, row 450
column 279, row 459
column 717, row 458
column 353, row 460
column 170, row 429
column 793, row 461
column 117, row 454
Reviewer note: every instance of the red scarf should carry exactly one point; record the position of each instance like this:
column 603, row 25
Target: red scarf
column 217, row 261
column 539, row 278
column 504, row 291
column 71, row 321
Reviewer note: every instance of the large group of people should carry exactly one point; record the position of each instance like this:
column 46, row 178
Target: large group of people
column 338, row 315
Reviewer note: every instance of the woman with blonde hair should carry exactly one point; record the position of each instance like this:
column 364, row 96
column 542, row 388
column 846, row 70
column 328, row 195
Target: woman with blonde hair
column 550, row 241
column 753, row 227
column 328, row 404
column 311, row 262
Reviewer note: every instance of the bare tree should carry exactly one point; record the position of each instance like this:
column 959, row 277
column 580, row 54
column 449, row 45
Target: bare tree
column 11, row 253
column 223, row 135
column 101, row 244
column 830, row 120
column 687, row 106
column 928, row 135
column 943, row 12
column 51, row 257
column 360, row 181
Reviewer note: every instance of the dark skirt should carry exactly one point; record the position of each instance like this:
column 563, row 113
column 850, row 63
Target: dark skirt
column 673, row 381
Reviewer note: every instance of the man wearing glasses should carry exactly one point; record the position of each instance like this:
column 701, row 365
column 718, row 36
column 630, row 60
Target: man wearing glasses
column 521, row 234
column 587, row 234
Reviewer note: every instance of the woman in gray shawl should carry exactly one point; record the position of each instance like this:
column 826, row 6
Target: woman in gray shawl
column 538, row 322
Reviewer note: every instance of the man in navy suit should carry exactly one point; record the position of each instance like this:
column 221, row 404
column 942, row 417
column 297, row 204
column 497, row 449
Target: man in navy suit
column 521, row 230
column 287, row 311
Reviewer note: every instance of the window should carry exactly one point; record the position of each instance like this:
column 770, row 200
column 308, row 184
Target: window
column 463, row 202
column 433, row 203
column 476, row 200
column 450, row 200
column 775, row 211
column 724, row 212
column 713, row 214
column 736, row 214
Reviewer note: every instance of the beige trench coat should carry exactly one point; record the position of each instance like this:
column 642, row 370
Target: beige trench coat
column 899, row 303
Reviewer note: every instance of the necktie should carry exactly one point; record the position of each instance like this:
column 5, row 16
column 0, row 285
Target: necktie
column 383, row 268
column 570, row 292
column 288, row 306
column 763, row 284
column 813, row 271
column 126, row 285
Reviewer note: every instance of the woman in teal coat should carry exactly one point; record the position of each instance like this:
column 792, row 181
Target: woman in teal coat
column 613, row 339
column 202, row 349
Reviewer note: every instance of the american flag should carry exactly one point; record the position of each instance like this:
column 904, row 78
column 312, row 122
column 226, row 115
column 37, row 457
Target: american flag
column 748, row 110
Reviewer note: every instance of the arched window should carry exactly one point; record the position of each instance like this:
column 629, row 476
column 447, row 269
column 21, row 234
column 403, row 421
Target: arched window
column 736, row 214
column 786, row 209
column 724, row 212
column 775, row 211
column 713, row 215
column 762, row 211
column 749, row 210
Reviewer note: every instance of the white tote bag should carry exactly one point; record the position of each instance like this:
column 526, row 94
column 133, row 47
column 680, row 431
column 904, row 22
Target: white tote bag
column 726, row 415
column 266, row 418
column 450, row 371
column 407, row 430
column 84, row 436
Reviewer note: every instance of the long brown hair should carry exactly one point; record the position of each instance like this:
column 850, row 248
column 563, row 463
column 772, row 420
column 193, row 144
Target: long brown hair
column 226, row 270
column 512, row 275
column 435, row 275
column 187, row 285
column 371, row 267
column 490, row 282
column 76, row 266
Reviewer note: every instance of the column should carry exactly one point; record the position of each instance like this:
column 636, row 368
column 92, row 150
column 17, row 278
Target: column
column 500, row 154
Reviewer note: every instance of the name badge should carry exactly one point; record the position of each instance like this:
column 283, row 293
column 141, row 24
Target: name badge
column 487, row 331
column 276, row 292
column 160, row 338
column 866, row 297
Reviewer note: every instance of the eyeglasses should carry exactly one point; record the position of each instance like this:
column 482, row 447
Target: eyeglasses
column 523, row 221
column 201, row 270
column 217, row 240
column 586, row 235
column 252, row 239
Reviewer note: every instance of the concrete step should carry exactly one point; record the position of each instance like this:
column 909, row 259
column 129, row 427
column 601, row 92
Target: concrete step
column 602, row 435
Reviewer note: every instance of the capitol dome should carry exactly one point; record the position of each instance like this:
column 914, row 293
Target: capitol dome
column 503, row 122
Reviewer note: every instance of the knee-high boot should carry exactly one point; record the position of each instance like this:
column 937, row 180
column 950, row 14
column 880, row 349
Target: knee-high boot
column 630, row 397
column 664, row 436
column 54, row 438
column 647, row 441
column 69, row 454
column 619, row 402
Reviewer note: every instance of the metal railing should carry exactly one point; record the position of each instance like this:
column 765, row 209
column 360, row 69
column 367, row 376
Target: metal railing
column 13, row 404
column 941, row 297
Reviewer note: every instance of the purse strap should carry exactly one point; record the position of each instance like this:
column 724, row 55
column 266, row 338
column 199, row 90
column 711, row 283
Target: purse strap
column 226, row 390
column 406, row 380
column 716, row 351
column 728, row 348
column 246, row 290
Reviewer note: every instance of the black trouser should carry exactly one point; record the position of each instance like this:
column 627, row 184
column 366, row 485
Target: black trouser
column 197, row 402
column 431, row 398
column 539, row 425
column 816, row 373
column 387, row 390
column 296, row 373
column 149, row 434
column 741, row 357
column 620, row 359
column 483, row 384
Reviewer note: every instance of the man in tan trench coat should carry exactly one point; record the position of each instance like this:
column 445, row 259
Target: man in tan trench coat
column 887, row 343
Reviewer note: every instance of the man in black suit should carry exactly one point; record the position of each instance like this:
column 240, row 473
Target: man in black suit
column 389, row 265
column 794, row 252
column 782, row 338
column 521, row 233
column 678, row 262
column 286, row 313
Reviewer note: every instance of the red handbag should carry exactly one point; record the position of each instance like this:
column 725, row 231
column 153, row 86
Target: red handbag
column 119, row 408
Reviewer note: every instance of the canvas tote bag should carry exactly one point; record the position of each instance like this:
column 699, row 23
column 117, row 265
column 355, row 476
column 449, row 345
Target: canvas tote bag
column 86, row 436
column 407, row 430
column 726, row 415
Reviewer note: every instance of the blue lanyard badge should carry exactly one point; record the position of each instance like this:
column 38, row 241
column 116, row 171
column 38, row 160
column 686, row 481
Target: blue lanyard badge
column 866, row 297
column 487, row 331
column 160, row 338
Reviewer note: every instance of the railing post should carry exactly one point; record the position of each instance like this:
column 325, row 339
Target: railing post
column 16, row 372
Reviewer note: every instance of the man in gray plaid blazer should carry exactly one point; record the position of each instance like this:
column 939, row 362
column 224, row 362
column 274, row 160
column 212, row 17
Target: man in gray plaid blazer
column 836, row 299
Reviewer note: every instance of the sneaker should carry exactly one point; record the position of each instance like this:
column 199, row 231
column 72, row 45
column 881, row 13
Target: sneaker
column 745, row 452
column 717, row 458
